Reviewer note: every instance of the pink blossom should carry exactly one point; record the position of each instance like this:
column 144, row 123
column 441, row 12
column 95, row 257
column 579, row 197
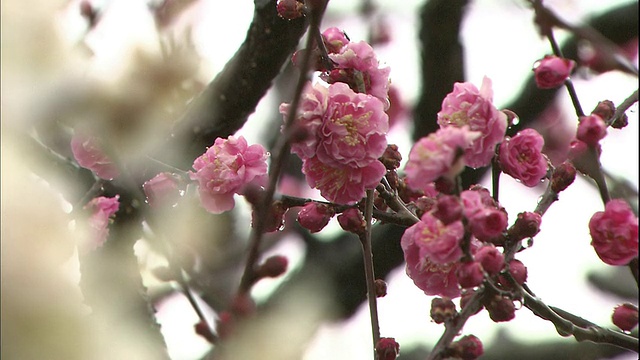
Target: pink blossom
column 521, row 157
column 102, row 211
column 342, row 184
column 227, row 168
column 551, row 71
column 470, row 274
column 315, row 216
column 438, row 155
column 357, row 66
column 591, row 129
column 89, row 154
column 490, row 258
column 465, row 105
column 161, row 189
column 334, row 39
column 353, row 129
column 486, row 221
column 614, row 233
column 625, row 316
column 432, row 278
column 433, row 240
column 311, row 115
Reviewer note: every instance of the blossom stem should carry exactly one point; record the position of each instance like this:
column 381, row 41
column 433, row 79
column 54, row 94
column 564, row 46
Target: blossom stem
column 281, row 148
column 568, row 83
column 368, row 269
column 453, row 328
column 495, row 178
column 394, row 202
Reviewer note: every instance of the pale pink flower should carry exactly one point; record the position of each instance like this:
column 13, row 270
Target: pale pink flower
column 551, row 71
column 434, row 240
column 89, row 154
column 358, row 59
column 465, row 105
column 432, row 278
column 227, row 168
column 438, row 155
column 521, row 157
column 161, row 189
column 614, row 233
column 342, row 184
column 102, row 211
column 353, row 130
column 591, row 129
column 334, row 39
column 311, row 115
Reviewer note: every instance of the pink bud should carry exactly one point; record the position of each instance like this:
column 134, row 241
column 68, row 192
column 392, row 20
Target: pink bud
column 625, row 316
column 381, row 288
column 391, row 157
column 551, row 71
column 469, row 347
column 315, row 216
column 351, row 220
column 518, row 272
column 448, row 209
column 500, row 308
column 527, row 225
column 591, row 129
column 490, row 258
column 273, row 267
column 442, row 309
column 563, row 176
column 290, row 9
column 387, row 349
column 470, row 274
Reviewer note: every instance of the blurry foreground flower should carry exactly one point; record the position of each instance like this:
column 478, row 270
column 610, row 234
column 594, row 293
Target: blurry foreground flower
column 228, row 168
column 102, row 210
column 161, row 189
column 89, row 154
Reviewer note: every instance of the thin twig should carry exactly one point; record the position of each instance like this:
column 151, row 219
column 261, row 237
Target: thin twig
column 368, row 269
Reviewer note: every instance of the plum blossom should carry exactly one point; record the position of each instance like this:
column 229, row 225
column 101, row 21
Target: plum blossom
column 102, row 210
column 433, row 240
column 486, row 221
column 357, row 66
column 342, row 184
column 89, row 154
column 227, row 168
column 614, row 233
column 466, row 105
column 591, row 129
column 521, row 157
column 437, row 155
column 334, row 39
column 432, row 278
column 311, row 112
column 551, row 71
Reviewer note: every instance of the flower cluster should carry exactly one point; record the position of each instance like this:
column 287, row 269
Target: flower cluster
column 228, row 167
column 341, row 128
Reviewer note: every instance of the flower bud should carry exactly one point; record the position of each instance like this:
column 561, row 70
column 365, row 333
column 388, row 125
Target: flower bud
column 202, row 329
column 387, row 349
column 605, row 109
column 620, row 122
column 442, row 309
column 272, row 267
column 469, row 347
column 351, row 220
column 591, row 129
column 527, row 225
column 380, row 287
column 315, row 216
column 470, row 274
column 448, row 209
column 290, row 9
column 391, row 157
column 551, row 71
column 563, row 176
column 500, row 308
column 625, row 316
column 518, row 271
column 490, row 258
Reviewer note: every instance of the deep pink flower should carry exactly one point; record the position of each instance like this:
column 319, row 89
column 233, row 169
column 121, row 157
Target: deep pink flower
column 432, row 278
column 342, row 184
column 102, row 210
column 551, row 71
column 591, row 129
column 486, row 221
column 334, row 40
column 433, row 240
column 351, row 220
column 522, row 158
column 614, row 233
column 315, row 216
column 470, row 274
column 89, row 154
column 357, row 66
column 438, row 155
column 491, row 259
column 527, row 225
column 448, row 209
column 625, row 316
column 466, row 105
column 227, row 168
column 161, row 189
column 353, row 130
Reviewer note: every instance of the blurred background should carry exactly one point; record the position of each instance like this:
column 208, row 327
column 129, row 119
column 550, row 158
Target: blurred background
column 129, row 69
